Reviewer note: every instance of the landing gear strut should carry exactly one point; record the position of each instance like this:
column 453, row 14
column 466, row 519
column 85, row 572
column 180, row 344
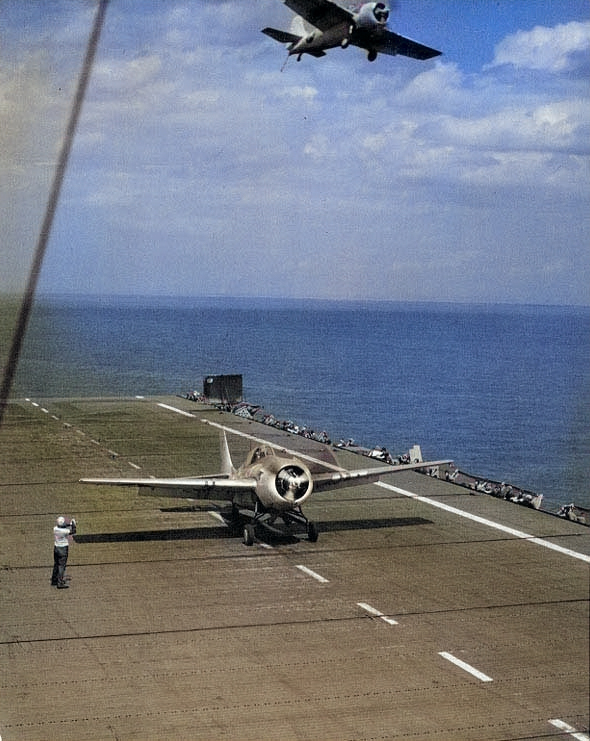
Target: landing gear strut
column 312, row 531
column 297, row 516
column 290, row 518
column 346, row 40
column 249, row 531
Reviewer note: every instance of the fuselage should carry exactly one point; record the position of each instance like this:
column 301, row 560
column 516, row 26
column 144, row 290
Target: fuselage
column 368, row 22
column 317, row 41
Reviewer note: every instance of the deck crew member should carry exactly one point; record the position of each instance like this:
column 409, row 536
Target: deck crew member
column 61, row 533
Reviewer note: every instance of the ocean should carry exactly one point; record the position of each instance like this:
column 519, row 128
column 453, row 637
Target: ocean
column 503, row 390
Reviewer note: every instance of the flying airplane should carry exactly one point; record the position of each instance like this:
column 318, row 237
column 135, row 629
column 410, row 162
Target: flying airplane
column 322, row 24
column 271, row 483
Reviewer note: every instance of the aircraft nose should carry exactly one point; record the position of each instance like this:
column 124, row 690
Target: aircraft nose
column 381, row 12
column 292, row 483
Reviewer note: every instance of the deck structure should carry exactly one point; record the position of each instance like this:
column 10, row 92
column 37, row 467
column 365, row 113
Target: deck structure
column 422, row 612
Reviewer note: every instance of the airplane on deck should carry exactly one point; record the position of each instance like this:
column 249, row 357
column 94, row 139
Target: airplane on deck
column 322, row 24
column 270, row 484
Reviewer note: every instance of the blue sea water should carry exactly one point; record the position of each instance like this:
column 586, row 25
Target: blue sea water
column 503, row 390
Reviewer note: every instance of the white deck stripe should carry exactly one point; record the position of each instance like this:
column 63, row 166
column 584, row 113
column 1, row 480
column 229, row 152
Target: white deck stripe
column 313, row 574
column 378, row 614
column 466, row 667
column 488, row 523
column 174, row 409
column 569, row 729
column 424, row 500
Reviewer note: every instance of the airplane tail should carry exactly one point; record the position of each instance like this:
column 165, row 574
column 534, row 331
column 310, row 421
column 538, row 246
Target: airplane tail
column 227, row 467
column 283, row 37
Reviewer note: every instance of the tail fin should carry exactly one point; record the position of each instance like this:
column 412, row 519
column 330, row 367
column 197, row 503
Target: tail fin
column 227, row 467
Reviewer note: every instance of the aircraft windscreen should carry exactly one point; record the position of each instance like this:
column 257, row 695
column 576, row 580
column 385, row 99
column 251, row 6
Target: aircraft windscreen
column 259, row 453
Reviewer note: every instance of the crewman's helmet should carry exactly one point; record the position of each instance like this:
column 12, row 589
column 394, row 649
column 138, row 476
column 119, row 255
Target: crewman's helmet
column 61, row 521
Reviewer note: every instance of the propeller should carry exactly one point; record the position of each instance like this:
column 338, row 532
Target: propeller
column 381, row 12
column 292, row 483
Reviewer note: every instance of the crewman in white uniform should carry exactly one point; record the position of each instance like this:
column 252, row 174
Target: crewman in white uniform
column 61, row 540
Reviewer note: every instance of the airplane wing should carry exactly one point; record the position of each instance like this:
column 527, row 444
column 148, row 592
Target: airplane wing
column 221, row 488
column 342, row 479
column 322, row 14
column 388, row 42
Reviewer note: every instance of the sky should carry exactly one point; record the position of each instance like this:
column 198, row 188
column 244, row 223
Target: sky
column 200, row 168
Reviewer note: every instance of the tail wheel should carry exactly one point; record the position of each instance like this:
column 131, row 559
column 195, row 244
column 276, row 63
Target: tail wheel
column 249, row 534
column 312, row 532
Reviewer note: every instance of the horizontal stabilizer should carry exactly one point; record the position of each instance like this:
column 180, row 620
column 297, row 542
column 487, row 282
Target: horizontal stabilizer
column 283, row 37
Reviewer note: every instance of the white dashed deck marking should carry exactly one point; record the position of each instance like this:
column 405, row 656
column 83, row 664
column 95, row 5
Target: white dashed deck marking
column 376, row 613
column 466, row 667
column 569, row 729
column 313, row 574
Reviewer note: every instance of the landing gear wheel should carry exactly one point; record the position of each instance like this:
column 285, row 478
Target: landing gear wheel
column 372, row 55
column 312, row 532
column 249, row 534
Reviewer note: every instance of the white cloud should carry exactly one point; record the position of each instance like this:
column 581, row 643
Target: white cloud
column 33, row 108
column 305, row 93
column 319, row 147
column 126, row 75
column 557, row 126
column 551, row 49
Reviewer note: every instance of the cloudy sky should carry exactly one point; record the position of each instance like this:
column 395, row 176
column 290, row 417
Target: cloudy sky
column 199, row 168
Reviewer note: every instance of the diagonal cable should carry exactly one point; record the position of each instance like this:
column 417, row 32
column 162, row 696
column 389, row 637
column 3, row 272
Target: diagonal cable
column 62, row 161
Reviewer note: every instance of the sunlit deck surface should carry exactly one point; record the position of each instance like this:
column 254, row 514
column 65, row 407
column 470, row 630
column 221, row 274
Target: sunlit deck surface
column 173, row 629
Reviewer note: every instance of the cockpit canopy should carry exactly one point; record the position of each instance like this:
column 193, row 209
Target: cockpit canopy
column 257, row 454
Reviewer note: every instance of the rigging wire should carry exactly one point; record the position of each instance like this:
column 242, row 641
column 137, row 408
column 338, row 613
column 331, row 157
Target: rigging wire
column 43, row 238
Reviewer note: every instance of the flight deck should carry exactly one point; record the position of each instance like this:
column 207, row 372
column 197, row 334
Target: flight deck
column 421, row 612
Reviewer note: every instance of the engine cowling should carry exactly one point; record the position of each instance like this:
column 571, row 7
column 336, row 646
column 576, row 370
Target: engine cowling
column 285, row 486
column 371, row 16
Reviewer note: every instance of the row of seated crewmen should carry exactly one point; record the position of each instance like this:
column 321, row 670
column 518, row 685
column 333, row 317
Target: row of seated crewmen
column 257, row 413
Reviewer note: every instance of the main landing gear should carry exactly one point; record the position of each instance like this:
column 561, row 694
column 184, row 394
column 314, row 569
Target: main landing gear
column 290, row 519
column 249, row 535
column 345, row 43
